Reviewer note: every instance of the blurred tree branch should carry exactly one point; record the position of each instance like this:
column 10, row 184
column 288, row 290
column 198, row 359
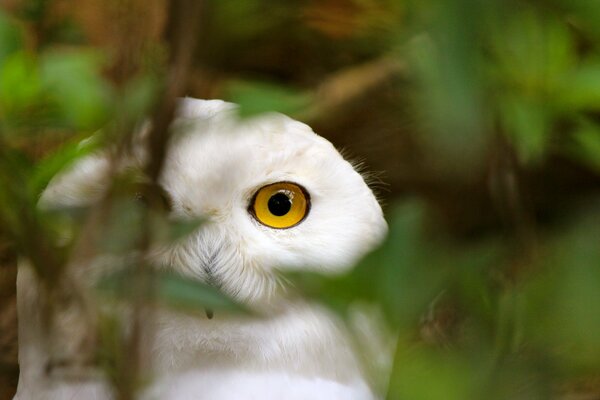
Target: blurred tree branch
column 350, row 84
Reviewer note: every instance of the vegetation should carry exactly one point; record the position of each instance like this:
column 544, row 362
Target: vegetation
column 484, row 115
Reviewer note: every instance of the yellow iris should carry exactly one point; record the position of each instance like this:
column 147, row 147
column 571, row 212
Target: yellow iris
column 280, row 205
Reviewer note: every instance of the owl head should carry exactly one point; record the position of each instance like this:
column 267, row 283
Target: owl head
column 274, row 196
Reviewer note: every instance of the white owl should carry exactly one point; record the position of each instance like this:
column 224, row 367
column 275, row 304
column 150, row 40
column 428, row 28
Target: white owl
column 276, row 196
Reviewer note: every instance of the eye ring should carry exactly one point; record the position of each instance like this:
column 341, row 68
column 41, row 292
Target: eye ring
column 280, row 205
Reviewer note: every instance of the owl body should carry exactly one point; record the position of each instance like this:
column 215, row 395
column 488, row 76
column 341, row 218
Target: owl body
column 218, row 167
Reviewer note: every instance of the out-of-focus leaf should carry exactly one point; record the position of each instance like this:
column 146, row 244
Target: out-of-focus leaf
column 256, row 98
column 533, row 52
column 467, row 372
column 587, row 139
column 140, row 94
column 527, row 123
column 246, row 13
column 509, row 329
column 561, row 301
column 178, row 291
column 11, row 37
column 529, row 62
column 122, row 231
column 449, row 102
column 168, row 230
column 181, row 228
column 408, row 279
column 468, row 280
column 575, row 319
column 20, row 85
column 68, row 154
column 171, row 289
column 422, row 374
column 14, row 167
column 584, row 13
column 63, row 223
column 580, row 88
column 35, row 10
column 516, row 377
column 74, row 82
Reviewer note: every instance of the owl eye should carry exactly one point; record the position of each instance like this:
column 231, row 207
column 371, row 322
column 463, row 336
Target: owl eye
column 280, row 205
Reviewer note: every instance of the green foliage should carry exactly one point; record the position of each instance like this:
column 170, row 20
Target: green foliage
column 11, row 37
column 168, row 288
column 587, row 139
column 496, row 90
column 59, row 90
column 20, row 79
column 256, row 98
column 60, row 160
column 561, row 309
column 79, row 95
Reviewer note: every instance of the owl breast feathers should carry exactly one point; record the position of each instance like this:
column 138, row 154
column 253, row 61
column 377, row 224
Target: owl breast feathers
column 275, row 196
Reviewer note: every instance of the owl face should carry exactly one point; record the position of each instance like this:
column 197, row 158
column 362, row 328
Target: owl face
column 274, row 196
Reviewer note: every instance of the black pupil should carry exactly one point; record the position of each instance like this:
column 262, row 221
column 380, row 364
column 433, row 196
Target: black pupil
column 279, row 204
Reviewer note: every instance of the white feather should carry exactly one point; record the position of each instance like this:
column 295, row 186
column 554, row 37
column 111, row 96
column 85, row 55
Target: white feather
column 214, row 165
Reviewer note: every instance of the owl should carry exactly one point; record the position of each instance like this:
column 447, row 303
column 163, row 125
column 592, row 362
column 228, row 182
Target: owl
column 275, row 197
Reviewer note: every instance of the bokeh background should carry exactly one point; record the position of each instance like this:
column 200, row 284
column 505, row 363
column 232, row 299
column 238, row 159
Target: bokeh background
column 477, row 122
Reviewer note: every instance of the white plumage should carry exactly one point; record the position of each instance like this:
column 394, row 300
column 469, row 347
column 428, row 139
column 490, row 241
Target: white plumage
column 214, row 167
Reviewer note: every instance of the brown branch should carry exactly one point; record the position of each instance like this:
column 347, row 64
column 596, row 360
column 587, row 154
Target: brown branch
column 182, row 35
column 350, row 84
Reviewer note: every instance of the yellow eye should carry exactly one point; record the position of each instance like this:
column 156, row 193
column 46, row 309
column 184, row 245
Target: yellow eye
column 280, row 205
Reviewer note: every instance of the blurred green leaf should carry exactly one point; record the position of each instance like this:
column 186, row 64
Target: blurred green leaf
column 74, row 82
column 408, row 278
column 258, row 97
column 181, row 292
column 123, row 230
column 587, row 143
column 580, row 88
column 181, row 228
column 64, row 223
column 533, row 52
column 14, row 167
column 60, row 159
column 447, row 68
column 560, row 300
column 584, row 14
column 528, row 125
column 34, row 10
column 425, row 374
column 171, row 289
column 168, row 230
column 575, row 319
column 139, row 95
column 11, row 37
column 246, row 13
column 20, row 84
column 531, row 59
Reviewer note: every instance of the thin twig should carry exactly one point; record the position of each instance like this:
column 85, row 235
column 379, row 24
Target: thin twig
column 351, row 83
column 182, row 35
